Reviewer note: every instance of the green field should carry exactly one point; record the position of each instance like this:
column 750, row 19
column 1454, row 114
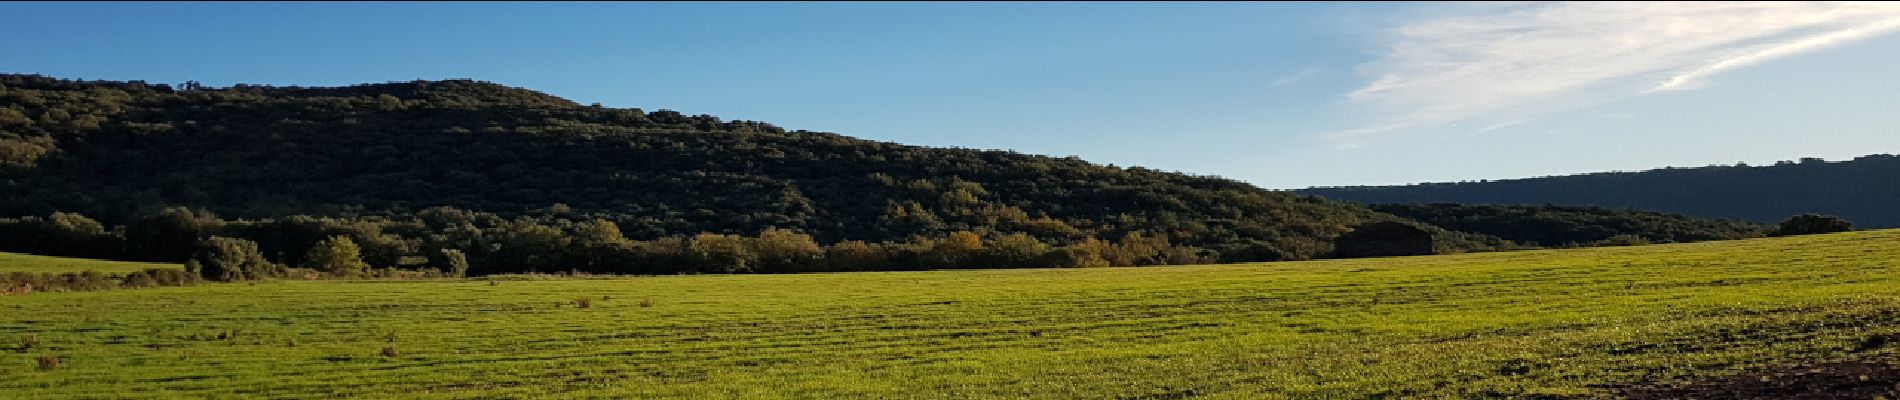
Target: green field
column 16, row 262
column 1561, row 322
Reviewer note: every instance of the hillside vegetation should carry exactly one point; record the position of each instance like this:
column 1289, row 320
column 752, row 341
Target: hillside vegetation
column 120, row 152
column 1860, row 190
column 1580, row 323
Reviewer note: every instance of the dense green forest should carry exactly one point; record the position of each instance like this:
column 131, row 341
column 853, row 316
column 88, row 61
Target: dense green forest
column 1554, row 226
column 1861, row 190
column 286, row 167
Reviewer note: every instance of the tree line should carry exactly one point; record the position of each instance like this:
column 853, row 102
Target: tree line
column 1571, row 226
column 444, row 241
column 447, row 242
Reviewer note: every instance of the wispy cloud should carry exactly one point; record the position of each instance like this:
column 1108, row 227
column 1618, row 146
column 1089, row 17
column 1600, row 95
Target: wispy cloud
column 1297, row 77
column 1779, row 50
column 1509, row 63
column 1502, row 125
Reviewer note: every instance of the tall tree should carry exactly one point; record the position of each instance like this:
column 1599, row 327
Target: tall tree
column 337, row 255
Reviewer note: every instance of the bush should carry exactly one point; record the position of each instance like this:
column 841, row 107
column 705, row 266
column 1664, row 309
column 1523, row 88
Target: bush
column 138, row 280
column 231, row 259
column 725, row 254
column 1385, row 239
column 1086, row 254
column 172, row 277
column 454, row 261
column 1622, row 240
column 89, row 280
column 856, row 255
column 25, row 282
column 337, row 255
column 780, row 250
column 1015, row 250
column 1809, row 224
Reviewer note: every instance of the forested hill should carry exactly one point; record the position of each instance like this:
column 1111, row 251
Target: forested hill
column 117, row 151
column 1862, row 190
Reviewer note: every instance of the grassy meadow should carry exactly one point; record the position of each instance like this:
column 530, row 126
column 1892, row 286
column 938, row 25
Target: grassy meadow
column 1555, row 323
column 16, row 262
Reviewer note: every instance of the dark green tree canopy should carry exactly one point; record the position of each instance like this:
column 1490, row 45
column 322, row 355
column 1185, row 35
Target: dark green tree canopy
column 1386, row 238
column 121, row 151
column 1810, row 224
column 231, row 259
column 1549, row 225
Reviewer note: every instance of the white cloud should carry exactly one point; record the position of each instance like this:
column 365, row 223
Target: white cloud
column 1778, row 50
column 1512, row 63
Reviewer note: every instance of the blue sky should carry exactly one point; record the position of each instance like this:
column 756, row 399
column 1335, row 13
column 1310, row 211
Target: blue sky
column 1283, row 95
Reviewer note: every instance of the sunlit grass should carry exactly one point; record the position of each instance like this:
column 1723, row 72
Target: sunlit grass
column 1559, row 322
column 16, row 262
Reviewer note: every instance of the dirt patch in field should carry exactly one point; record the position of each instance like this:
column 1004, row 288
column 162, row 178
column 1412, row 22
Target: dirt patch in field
column 1861, row 380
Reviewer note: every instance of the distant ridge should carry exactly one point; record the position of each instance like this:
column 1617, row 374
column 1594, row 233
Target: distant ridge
column 1865, row 190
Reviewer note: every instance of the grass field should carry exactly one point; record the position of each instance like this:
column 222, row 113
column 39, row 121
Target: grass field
column 1531, row 324
column 16, row 262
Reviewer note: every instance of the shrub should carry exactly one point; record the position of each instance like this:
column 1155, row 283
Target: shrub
column 855, row 255
column 959, row 250
column 1385, row 239
column 1622, row 240
column 1015, row 250
column 232, row 259
column 138, row 280
column 722, row 253
column 25, row 282
column 1084, row 254
column 337, row 255
column 454, row 261
column 1809, row 224
column 780, row 250
column 172, row 277
column 1186, row 256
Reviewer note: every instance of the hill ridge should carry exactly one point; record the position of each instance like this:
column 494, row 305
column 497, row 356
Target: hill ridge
column 108, row 149
column 1859, row 190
